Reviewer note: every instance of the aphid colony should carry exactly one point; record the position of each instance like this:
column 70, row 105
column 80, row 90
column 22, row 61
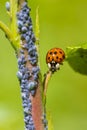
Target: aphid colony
column 28, row 76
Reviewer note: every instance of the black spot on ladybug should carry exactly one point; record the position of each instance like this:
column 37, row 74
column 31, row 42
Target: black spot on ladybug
column 55, row 52
column 60, row 52
column 60, row 59
column 63, row 56
column 57, row 57
column 48, row 58
column 50, row 53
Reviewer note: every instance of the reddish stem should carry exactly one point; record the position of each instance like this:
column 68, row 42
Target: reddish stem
column 36, row 100
column 37, row 109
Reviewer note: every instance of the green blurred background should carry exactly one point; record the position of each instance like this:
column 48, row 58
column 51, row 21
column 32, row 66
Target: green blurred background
column 62, row 23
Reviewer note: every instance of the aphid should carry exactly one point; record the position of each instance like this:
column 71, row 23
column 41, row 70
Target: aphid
column 19, row 75
column 54, row 58
column 7, row 5
column 31, row 85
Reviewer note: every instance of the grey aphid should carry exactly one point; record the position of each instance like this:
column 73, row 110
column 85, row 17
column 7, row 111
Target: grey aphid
column 33, row 92
column 31, row 85
column 19, row 75
column 20, row 24
column 27, row 118
column 33, row 48
column 25, row 46
column 23, row 95
column 31, row 127
column 33, row 61
column 7, row 5
column 24, row 29
column 27, row 38
column 26, row 110
column 26, row 76
column 35, row 70
column 35, row 76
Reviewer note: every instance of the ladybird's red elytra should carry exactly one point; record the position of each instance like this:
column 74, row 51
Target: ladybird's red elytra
column 54, row 58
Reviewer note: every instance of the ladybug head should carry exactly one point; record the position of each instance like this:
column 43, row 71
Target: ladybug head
column 53, row 66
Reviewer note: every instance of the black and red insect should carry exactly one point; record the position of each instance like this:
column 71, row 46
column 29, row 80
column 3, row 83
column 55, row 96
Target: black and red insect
column 54, row 58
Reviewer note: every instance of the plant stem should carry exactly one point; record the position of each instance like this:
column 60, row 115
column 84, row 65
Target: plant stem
column 37, row 109
column 8, row 34
column 6, row 30
column 13, row 11
column 36, row 99
column 46, row 80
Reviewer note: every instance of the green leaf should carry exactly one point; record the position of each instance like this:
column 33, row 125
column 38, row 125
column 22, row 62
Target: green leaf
column 77, row 58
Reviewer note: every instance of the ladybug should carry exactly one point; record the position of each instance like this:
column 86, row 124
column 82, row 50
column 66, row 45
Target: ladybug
column 54, row 58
